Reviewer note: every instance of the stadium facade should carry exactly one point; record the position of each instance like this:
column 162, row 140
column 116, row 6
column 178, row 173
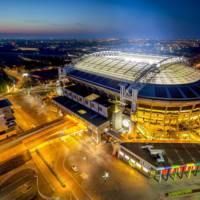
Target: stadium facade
column 164, row 100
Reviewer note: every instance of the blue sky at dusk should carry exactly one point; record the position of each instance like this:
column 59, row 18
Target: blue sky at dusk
column 156, row 19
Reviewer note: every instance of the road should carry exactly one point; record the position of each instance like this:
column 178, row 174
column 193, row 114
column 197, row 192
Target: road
column 30, row 112
column 34, row 138
column 39, row 142
column 42, row 138
column 21, row 186
column 17, row 76
column 92, row 161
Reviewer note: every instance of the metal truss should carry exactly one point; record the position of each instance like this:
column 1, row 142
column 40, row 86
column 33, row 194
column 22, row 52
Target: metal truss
column 130, row 93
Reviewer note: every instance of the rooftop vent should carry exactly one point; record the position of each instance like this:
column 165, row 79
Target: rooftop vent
column 158, row 153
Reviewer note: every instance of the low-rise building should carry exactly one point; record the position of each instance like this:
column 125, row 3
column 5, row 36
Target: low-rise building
column 90, row 107
column 162, row 161
column 7, row 119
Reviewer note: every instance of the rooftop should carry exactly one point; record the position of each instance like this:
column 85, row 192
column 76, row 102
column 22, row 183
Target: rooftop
column 4, row 103
column 103, row 101
column 179, row 92
column 48, row 74
column 128, row 66
column 82, row 91
column 173, row 153
column 81, row 111
column 89, row 95
column 92, row 97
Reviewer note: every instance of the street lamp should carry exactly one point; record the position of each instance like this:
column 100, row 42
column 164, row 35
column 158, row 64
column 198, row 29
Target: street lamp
column 106, row 175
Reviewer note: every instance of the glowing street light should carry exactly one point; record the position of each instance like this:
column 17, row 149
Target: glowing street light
column 106, row 175
column 25, row 74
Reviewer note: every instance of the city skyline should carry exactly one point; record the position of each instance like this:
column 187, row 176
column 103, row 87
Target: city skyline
column 100, row 19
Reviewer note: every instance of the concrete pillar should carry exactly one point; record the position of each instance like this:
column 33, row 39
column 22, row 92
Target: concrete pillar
column 59, row 90
column 117, row 120
column 189, row 173
column 160, row 177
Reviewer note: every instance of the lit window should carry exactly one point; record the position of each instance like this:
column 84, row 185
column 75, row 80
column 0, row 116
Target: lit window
column 82, row 112
column 145, row 169
column 133, row 161
column 127, row 157
column 121, row 153
column 138, row 165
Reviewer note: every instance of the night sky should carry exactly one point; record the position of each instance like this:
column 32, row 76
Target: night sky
column 153, row 19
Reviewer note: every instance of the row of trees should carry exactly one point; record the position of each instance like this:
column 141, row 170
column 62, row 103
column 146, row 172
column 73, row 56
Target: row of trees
column 4, row 81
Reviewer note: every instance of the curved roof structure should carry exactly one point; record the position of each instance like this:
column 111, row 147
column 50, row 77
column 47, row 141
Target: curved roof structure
column 127, row 67
column 175, row 80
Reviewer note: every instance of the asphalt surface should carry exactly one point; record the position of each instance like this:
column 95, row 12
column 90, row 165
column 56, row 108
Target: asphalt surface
column 30, row 112
column 92, row 163
column 20, row 186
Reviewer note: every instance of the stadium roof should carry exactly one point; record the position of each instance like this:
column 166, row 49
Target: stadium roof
column 175, row 81
column 152, row 91
column 128, row 66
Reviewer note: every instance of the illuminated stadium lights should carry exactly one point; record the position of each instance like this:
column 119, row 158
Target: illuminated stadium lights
column 167, row 106
column 126, row 66
column 136, row 57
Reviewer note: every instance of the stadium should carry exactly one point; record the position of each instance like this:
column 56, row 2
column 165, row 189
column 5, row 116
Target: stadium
column 134, row 95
